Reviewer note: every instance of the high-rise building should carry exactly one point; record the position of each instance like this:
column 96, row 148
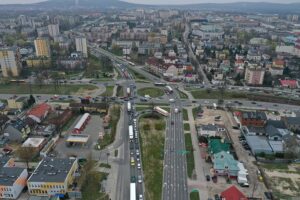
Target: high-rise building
column 53, row 30
column 42, row 47
column 81, row 46
column 10, row 62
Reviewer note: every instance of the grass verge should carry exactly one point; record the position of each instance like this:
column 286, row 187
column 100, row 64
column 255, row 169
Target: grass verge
column 190, row 155
column 43, row 89
column 185, row 115
column 108, row 92
column 187, row 127
column 194, row 195
column 105, row 165
column 109, row 138
column 152, row 144
column 152, row 92
column 182, row 95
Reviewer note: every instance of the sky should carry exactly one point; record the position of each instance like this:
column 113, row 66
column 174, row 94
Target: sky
column 164, row 1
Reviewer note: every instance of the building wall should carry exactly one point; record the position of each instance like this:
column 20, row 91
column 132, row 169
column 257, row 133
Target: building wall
column 10, row 63
column 252, row 122
column 42, row 47
column 254, row 76
column 13, row 104
column 13, row 192
column 53, row 30
column 81, row 46
column 38, row 62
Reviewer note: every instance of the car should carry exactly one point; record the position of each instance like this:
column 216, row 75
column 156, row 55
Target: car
column 171, row 100
column 207, row 178
column 244, row 184
column 275, row 105
column 137, row 152
column 269, row 195
column 140, row 179
column 172, row 122
column 253, row 102
column 132, row 162
column 139, row 166
column 133, row 179
column 217, row 197
column 140, row 197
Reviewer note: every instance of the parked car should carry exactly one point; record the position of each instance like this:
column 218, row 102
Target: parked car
column 133, row 179
column 207, row 178
column 140, row 179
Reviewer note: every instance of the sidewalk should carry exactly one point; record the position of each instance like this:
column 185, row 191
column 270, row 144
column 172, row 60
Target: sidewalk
column 200, row 183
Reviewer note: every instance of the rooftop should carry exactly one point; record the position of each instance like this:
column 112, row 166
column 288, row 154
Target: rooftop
column 52, row 170
column 258, row 143
column 218, row 145
column 255, row 115
column 33, row 142
column 293, row 120
column 224, row 160
column 9, row 175
column 39, row 110
column 232, row 193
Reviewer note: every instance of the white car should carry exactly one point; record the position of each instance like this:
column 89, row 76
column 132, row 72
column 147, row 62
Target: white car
column 139, row 165
column 140, row 179
column 137, row 152
column 140, row 197
column 171, row 100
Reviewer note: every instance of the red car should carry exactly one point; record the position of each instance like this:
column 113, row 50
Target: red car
column 7, row 150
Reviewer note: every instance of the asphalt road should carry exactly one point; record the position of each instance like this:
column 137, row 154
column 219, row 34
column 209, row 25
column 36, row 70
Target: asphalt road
column 175, row 170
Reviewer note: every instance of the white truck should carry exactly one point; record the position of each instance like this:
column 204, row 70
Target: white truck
column 176, row 110
column 132, row 191
column 128, row 106
column 130, row 131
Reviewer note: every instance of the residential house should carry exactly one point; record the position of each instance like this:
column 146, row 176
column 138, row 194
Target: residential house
column 225, row 165
column 289, row 83
column 53, row 176
column 232, row 193
column 211, row 130
column 292, row 123
column 3, row 121
column 16, row 102
column 257, row 119
column 17, row 130
column 218, row 145
column 12, row 179
column 39, row 112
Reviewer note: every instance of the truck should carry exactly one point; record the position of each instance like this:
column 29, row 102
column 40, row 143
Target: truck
column 132, row 191
column 130, row 131
column 128, row 106
column 161, row 111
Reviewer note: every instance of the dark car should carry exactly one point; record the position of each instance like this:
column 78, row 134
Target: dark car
column 133, row 179
column 217, row 197
column 269, row 195
column 172, row 122
column 207, row 177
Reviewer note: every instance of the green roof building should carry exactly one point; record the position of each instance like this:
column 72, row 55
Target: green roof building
column 218, row 145
column 225, row 164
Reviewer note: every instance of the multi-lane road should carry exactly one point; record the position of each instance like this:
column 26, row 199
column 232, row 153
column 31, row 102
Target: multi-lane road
column 175, row 169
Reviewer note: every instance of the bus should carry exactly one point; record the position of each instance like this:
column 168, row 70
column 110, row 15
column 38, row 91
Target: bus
column 161, row 111
column 169, row 89
column 160, row 84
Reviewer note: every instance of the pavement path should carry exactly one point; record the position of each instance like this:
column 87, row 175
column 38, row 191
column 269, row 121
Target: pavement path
column 200, row 183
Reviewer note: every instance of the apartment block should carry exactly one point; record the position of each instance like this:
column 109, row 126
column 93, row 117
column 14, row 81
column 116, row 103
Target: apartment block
column 10, row 62
column 42, row 47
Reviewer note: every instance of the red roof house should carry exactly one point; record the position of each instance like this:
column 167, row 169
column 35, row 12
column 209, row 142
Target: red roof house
column 39, row 112
column 289, row 83
column 232, row 193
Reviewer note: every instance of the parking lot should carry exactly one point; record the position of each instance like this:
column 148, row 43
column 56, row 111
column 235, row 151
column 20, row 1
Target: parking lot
column 256, row 188
column 93, row 128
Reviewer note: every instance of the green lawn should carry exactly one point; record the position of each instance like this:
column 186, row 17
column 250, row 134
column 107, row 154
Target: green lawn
column 152, row 92
column 190, row 155
column 152, row 145
column 185, row 115
column 109, row 138
column 108, row 92
column 187, row 127
column 194, row 195
column 44, row 89
column 105, row 165
column 182, row 95
column 216, row 94
column 120, row 91
column 91, row 187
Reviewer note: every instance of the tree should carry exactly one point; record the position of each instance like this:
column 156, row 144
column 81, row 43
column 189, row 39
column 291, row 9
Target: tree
column 31, row 100
column 26, row 154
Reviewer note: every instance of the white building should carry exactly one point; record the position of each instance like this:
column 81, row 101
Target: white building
column 53, row 30
column 81, row 46
column 12, row 179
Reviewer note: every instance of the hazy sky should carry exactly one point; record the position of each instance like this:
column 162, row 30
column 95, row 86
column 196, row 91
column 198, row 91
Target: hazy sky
column 163, row 1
